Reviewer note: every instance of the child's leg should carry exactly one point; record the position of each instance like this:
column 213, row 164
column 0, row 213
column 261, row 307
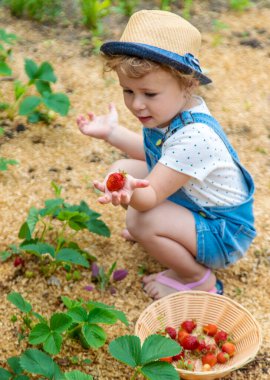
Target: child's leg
column 168, row 234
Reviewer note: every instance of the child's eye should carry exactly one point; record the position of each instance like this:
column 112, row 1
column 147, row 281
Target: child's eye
column 127, row 91
column 150, row 94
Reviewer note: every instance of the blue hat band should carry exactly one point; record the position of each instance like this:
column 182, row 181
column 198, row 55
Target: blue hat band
column 187, row 63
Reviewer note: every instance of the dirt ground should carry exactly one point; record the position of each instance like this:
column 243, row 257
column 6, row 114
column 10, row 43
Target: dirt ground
column 238, row 60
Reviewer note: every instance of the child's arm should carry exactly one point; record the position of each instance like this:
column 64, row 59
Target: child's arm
column 145, row 194
column 107, row 128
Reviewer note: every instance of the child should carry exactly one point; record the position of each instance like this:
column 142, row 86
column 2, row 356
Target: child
column 189, row 200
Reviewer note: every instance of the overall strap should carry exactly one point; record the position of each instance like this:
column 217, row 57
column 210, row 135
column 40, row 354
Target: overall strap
column 186, row 117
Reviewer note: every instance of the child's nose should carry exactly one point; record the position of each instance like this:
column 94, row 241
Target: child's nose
column 138, row 104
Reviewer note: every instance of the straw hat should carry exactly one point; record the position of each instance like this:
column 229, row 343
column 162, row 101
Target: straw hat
column 162, row 37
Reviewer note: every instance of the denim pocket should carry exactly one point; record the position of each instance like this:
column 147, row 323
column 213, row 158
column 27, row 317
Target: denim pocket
column 236, row 240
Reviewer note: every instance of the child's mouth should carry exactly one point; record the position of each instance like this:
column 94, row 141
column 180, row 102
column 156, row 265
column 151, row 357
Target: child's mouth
column 144, row 119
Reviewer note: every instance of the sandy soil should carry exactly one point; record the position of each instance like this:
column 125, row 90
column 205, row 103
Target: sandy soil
column 237, row 59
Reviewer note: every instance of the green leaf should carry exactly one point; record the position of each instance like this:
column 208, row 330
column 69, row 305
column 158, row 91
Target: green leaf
column 19, row 89
column 8, row 38
column 60, row 322
column 98, row 227
column 4, row 162
column 17, row 300
column 58, row 102
column 34, row 117
column 14, row 363
column 127, row 349
column 39, row 333
column 5, row 69
column 94, row 335
column 43, row 87
column 31, row 68
column 71, row 256
column 38, row 248
column 101, row 316
column 53, row 343
column 52, row 207
column 4, row 256
column 29, row 226
column 69, row 303
column 4, row 374
column 159, row 371
column 21, row 377
column 156, row 347
column 121, row 316
column 77, row 375
column 46, row 73
column 35, row 361
column 78, row 314
column 28, row 105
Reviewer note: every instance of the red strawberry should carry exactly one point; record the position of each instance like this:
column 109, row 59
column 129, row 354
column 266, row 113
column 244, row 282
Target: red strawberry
column 181, row 335
column 211, row 348
column 229, row 348
column 210, row 359
column 169, row 359
column 203, row 347
column 190, row 342
column 18, row 261
column 116, row 181
column 223, row 357
column 210, row 329
column 189, row 325
column 171, row 332
column 221, row 337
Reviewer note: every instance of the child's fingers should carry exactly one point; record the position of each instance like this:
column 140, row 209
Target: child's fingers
column 116, row 198
column 113, row 110
column 125, row 198
column 139, row 183
column 98, row 185
column 104, row 200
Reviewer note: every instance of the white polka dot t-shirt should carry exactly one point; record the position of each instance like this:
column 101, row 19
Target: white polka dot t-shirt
column 196, row 150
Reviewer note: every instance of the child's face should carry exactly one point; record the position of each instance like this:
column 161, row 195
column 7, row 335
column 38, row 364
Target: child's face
column 155, row 99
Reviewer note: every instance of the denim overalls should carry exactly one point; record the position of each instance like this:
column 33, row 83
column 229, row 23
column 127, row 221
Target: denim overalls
column 223, row 233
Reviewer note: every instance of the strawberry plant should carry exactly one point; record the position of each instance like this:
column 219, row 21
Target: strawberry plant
column 80, row 322
column 36, row 362
column 48, row 233
column 145, row 359
column 40, row 106
column 4, row 162
column 93, row 11
column 6, row 41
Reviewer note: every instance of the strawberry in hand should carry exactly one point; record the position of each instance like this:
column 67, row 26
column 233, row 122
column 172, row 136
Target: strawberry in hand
column 122, row 187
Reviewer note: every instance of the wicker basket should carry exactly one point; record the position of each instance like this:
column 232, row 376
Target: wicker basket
column 205, row 308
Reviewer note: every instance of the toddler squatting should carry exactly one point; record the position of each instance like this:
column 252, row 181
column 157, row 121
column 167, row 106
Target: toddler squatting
column 189, row 200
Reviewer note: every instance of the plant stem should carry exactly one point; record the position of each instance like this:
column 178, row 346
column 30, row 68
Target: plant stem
column 134, row 376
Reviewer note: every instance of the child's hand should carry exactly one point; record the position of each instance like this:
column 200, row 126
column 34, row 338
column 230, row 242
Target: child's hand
column 123, row 196
column 101, row 126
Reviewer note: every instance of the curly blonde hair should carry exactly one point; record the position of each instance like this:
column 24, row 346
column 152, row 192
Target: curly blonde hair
column 134, row 67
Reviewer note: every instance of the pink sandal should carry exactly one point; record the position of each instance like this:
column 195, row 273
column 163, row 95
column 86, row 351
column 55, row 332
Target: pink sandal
column 218, row 289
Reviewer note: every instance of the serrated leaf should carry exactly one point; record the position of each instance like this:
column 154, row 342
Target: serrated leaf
column 31, row 68
column 94, row 335
column 127, row 349
column 43, row 87
column 101, row 316
column 71, row 256
column 69, row 303
column 77, row 375
column 38, row 248
column 159, row 371
column 46, row 73
column 35, row 361
column 24, row 232
column 57, row 102
column 29, row 226
column 60, row 322
column 156, row 347
column 4, row 374
column 28, row 105
column 53, row 343
column 39, row 333
column 4, row 256
column 14, row 363
column 52, row 207
column 17, row 300
column 78, row 314
column 21, row 377
column 98, row 227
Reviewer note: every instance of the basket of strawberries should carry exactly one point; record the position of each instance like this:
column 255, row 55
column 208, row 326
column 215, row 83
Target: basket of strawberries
column 216, row 334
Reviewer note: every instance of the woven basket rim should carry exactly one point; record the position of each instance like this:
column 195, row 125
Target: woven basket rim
column 226, row 299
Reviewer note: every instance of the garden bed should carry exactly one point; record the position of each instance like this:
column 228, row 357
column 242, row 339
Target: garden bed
column 237, row 59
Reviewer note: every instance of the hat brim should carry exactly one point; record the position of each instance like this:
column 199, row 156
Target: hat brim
column 154, row 54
